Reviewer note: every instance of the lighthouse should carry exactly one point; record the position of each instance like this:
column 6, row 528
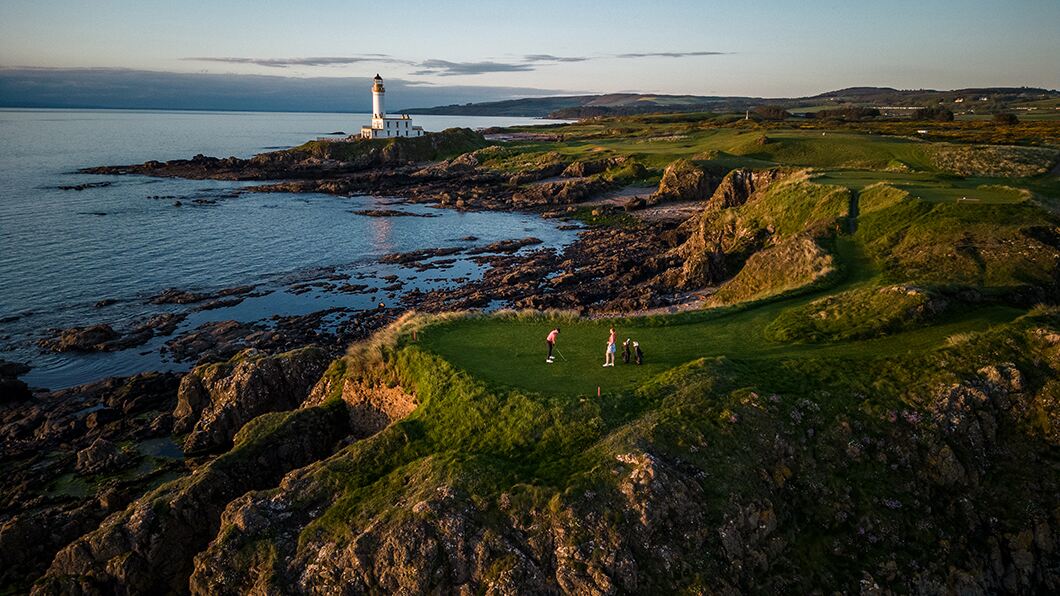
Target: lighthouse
column 383, row 127
column 378, row 95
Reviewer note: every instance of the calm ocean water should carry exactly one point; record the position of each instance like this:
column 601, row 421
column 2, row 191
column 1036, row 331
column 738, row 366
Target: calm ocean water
column 61, row 251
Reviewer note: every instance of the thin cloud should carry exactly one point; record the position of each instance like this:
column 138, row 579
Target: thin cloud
column 310, row 61
column 669, row 54
column 445, row 68
column 551, row 58
column 438, row 67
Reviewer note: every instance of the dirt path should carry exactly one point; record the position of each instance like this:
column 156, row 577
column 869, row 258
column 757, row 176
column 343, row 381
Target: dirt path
column 852, row 212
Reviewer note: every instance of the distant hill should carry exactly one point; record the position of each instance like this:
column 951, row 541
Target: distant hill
column 617, row 104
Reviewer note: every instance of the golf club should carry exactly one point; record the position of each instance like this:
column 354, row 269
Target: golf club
column 561, row 355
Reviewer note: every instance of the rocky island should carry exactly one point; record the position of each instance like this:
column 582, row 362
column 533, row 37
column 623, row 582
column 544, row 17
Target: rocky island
column 852, row 347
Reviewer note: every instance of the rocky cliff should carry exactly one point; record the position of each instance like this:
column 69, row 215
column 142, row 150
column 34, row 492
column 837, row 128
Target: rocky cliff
column 216, row 400
column 719, row 489
column 753, row 210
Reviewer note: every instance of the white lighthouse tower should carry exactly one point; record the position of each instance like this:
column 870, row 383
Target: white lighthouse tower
column 378, row 95
column 383, row 127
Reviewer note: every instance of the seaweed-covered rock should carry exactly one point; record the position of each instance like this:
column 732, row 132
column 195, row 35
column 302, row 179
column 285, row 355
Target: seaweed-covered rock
column 102, row 456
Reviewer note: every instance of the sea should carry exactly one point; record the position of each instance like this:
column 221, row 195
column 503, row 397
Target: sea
column 79, row 249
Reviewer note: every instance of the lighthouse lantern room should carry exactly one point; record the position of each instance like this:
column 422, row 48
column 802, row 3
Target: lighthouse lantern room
column 383, row 127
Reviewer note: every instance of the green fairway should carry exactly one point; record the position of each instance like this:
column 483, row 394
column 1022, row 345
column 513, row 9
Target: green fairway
column 510, row 350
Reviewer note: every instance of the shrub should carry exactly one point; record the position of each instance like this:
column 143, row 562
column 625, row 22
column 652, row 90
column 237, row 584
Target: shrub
column 935, row 113
column 850, row 113
column 771, row 113
column 1006, row 118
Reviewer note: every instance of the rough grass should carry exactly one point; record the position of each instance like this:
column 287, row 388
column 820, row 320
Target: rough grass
column 857, row 314
column 797, row 205
column 432, row 146
column 993, row 160
column 790, row 265
column 975, row 244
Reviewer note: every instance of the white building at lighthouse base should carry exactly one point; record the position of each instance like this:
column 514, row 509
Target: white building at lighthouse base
column 391, row 127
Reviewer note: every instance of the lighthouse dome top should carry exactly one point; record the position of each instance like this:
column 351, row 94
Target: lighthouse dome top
column 377, row 77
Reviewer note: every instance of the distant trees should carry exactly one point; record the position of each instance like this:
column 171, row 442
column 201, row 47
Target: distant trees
column 771, row 113
column 934, row 113
column 849, row 113
column 1006, row 118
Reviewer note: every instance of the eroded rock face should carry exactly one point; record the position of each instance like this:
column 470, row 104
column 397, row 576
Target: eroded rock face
column 720, row 240
column 560, row 192
column 683, row 180
column 371, row 407
column 740, row 185
column 216, row 400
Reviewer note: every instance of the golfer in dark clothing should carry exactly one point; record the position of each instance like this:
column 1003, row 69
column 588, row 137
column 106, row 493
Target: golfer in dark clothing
column 625, row 351
column 551, row 341
column 637, row 353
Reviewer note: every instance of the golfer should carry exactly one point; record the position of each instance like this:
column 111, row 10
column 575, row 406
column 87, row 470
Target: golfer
column 551, row 341
column 609, row 355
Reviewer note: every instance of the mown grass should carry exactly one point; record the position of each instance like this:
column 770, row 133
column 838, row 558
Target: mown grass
column 511, row 351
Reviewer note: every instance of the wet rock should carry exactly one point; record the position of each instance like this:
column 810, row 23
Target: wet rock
column 42, row 437
column 102, row 456
column 86, row 185
column 93, row 338
column 216, row 400
column 504, row 246
column 390, row 213
column 212, row 340
column 405, row 258
column 177, row 296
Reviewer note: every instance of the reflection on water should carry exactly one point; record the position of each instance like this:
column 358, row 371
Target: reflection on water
column 381, row 243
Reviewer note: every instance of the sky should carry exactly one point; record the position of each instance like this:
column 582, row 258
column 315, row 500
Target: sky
column 771, row 48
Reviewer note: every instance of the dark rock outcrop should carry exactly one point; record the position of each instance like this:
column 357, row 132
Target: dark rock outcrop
column 11, row 387
column 50, row 441
column 739, row 185
column 148, row 548
column 216, row 400
column 92, row 338
column 560, row 192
